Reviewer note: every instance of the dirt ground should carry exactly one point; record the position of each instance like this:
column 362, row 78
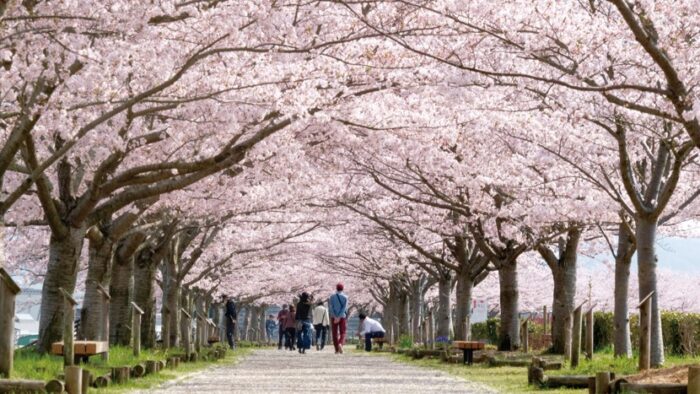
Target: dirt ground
column 677, row 374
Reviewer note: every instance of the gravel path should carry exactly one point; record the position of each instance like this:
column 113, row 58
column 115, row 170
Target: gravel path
column 280, row 371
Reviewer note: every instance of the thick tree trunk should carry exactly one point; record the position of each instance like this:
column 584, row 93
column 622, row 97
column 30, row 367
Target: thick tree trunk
column 185, row 304
column 509, row 331
column 403, row 320
column 563, row 304
column 62, row 272
column 623, row 261
column 99, row 271
column 247, row 334
column 121, row 290
column 171, row 302
column 417, row 299
column 443, row 319
column 144, row 295
column 646, row 262
column 465, row 285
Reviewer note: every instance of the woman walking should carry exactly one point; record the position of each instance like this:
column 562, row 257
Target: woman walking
column 304, row 317
column 290, row 330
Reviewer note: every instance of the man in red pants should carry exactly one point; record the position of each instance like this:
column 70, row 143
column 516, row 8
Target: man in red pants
column 338, row 305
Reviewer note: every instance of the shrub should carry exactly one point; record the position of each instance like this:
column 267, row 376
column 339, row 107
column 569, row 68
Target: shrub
column 405, row 342
column 486, row 331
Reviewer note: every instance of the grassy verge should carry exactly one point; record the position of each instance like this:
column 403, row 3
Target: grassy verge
column 514, row 379
column 31, row 365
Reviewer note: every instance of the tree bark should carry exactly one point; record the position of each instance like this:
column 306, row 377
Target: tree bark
column 121, row 290
column 646, row 262
column 185, row 304
column 463, row 306
column 144, row 294
column 417, row 299
column 171, row 301
column 509, row 331
column 100, row 254
column 62, row 272
column 623, row 261
column 403, row 320
column 443, row 319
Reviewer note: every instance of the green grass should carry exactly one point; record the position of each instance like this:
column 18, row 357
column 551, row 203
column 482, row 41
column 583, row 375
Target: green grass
column 30, row 365
column 514, row 379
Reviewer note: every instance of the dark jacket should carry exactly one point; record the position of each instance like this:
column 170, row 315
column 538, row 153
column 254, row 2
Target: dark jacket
column 304, row 311
column 231, row 311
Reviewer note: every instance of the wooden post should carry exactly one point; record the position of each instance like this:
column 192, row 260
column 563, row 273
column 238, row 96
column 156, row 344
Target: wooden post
column 120, row 375
column 645, row 332
column 8, row 292
column 602, row 383
column 87, row 381
column 68, row 321
column 544, row 320
column 136, row 313
column 694, row 379
column 186, row 323
column 576, row 337
column 74, row 378
column 524, row 335
column 104, row 336
column 589, row 334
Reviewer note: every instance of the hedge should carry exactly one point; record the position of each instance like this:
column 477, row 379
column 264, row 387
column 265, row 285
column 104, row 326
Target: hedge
column 681, row 331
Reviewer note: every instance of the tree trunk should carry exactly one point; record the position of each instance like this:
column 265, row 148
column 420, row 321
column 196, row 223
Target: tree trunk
column 403, row 320
column 646, row 262
column 443, row 319
column 171, row 302
column 144, row 295
column 562, row 304
column 509, row 331
column 248, row 317
column 62, row 272
column 465, row 285
column 99, row 271
column 121, row 289
column 623, row 261
column 417, row 298
column 185, row 304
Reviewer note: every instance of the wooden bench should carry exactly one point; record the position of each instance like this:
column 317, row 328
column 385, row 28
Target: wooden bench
column 82, row 349
column 468, row 348
column 380, row 341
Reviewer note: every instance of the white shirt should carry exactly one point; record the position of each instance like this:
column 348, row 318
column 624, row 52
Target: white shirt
column 320, row 316
column 370, row 325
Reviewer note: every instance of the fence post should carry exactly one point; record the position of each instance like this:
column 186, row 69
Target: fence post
column 576, row 334
column 589, row 334
column 645, row 332
column 8, row 292
column 694, row 379
column 104, row 336
column 68, row 321
column 136, row 313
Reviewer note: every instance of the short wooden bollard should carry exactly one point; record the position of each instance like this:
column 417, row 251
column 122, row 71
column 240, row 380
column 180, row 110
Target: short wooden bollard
column 68, row 320
column 524, row 336
column 120, row 375
column 136, row 313
column 160, row 365
column 55, row 386
column 602, row 383
column 151, row 367
column 87, row 381
column 589, row 334
column 8, row 292
column 138, row 371
column 102, row 381
column 645, row 332
column 576, row 337
column 74, row 379
column 694, row 379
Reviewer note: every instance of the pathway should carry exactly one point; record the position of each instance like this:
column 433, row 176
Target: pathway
column 277, row 371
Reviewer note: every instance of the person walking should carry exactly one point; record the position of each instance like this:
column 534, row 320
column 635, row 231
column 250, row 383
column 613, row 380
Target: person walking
column 290, row 329
column 321, row 322
column 304, row 317
column 338, row 304
column 231, row 315
column 281, row 324
column 270, row 326
column 370, row 328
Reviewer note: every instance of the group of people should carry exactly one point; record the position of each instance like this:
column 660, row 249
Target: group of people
column 298, row 322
